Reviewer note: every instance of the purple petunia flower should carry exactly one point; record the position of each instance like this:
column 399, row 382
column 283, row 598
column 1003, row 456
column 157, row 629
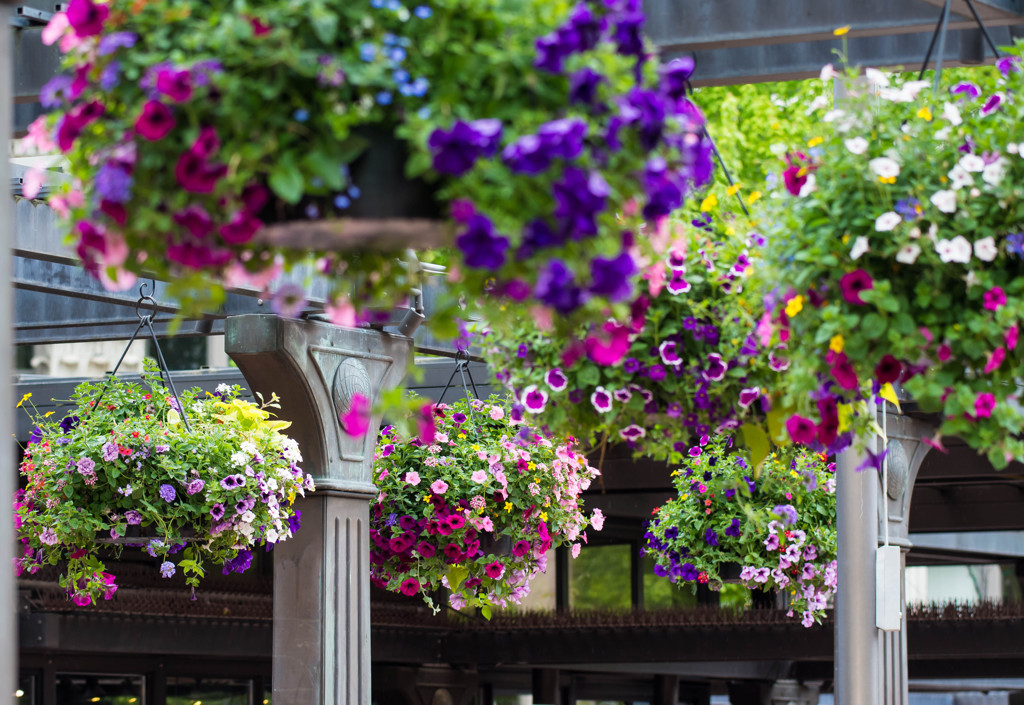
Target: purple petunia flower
column 556, row 379
column 579, row 197
column 458, row 417
column 113, row 183
column 217, row 512
column 669, row 353
column 677, row 284
column 786, row 512
column 116, row 40
column 633, row 432
column 232, row 481
column 711, row 537
column 965, row 89
column 51, row 92
column 583, row 86
column 734, row 528
column 456, row 150
column 86, row 466
column 992, row 104
column 611, row 277
column 195, row 486
column 557, row 287
column 716, row 368
column 533, row 399
column 167, row 493
column 748, row 396
column 133, row 517
column 481, row 248
column 601, row 400
column 167, row 569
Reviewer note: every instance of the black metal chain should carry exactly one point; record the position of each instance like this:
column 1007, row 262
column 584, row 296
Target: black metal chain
column 146, row 321
column 462, row 369
column 940, row 34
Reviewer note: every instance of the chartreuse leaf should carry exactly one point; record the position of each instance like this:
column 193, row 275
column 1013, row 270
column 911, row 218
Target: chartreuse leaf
column 456, row 574
column 889, row 394
column 485, row 610
column 757, row 441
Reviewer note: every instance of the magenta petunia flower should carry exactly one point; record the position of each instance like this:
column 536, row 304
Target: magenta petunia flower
column 155, row 121
column 844, row 374
column 195, row 175
column 556, row 379
column 716, row 368
column 800, row 429
column 241, row 228
column 995, row 359
column 992, row 104
column 207, row 143
column 853, row 284
column 677, row 284
column 984, row 405
column 994, row 298
column 355, row 421
column 176, row 85
column 409, row 587
column 888, row 370
column 87, row 17
column 534, row 400
column 1010, row 336
column 196, row 220
column 608, row 345
column 601, row 400
column 494, row 570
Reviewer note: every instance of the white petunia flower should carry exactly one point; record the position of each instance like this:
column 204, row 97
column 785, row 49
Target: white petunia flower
column 951, row 114
column 887, row 221
column 943, row 134
column 860, row 246
column 828, row 72
column 959, row 178
column 856, row 145
column 885, row 167
column 993, row 173
column 972, row 162
column 975, row 192
column 971, row 279
column 944, row 200
column 818, row 103
column 915, row 232
column 908, row 253
column 985, row 249
column 956, row 250
column 1013, row 148
column 833, row 115
column 810, row 186
column 876, row 77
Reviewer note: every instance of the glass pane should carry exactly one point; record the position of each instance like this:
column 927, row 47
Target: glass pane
column 661, row 593
column 101, row 689
column 599, row 578
column 26, row 692
column 209, row 691
column 543, row 589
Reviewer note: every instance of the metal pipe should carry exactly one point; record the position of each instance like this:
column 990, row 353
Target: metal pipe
column 8, row 473
column 856, row 643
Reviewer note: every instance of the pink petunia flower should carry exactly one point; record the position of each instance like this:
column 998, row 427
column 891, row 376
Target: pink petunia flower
column 439, row 487
column 984, row 405
column 412, row 477
column 995, row 359
column 853, row 284
column 994, row 298
column 800, row 429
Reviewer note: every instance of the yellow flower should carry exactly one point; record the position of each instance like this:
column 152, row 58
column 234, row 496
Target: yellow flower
column 755, row 195
column 532, row 466
column 426, row 498
column 709, row 202
column 815, row 141
column 925, row 113
column 887, row 179
column 48, row 414
column 508, row 507
column 475, row 447
column 543, row 516
column 795, row 305
column 24, row 399
column 836, row 343
column 733, row 189
column 840, row 31
column 775, row 125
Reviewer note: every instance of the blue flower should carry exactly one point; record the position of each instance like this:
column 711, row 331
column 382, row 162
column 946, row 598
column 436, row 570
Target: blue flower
column 423, row 12
column 384, row 98
column 354, row 191
column 393, row 5
column 110, row 76
column 367, row 52
column 396, row 54
column 342, row 201
column 389, row 39
column 400, row 76
column 377, row 4
column 167, row 493
column 423, row 113
column 301, row 115
column 167, row 569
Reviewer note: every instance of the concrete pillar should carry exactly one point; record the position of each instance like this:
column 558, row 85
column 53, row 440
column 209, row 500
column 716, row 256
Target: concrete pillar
column 321, row 576
column 8, row 470
column 871, row 664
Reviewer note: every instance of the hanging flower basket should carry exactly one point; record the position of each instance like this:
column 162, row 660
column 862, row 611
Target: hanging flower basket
column 773, row 529
column 899, row 244
column 544, row 131
column 689, row 359
column 473, row 505
column 208, row 479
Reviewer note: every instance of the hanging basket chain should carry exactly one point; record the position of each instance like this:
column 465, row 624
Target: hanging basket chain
column 463, row 370
column 940, row 34
column 146, row 321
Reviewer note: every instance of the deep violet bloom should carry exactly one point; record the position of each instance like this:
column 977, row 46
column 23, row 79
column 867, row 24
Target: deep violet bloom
column 675, row 76
column 557, row 287
column 583, row 86
column 87, row 17
column 196, row 220
column 537, row 235
column 480, row 246
column 155, row 121
column 579, row 197
column 734, row 528
column 610, row 277
column 456, row 150
column 711, row 537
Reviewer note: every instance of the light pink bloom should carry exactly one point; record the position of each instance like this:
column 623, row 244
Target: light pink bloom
column 413, row 478
column 439, row 487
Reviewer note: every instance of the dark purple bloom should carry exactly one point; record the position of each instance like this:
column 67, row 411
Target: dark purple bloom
column 583, row 86
column 295, row 521
column 629, row 33
column 456, row 150
column 458, row 417
column 675, row 76
column 645, row 110
column 69, row 422
column 217, row 512
column 631, row 365
column 711, row 537
column 557, row 287
column 196, row 175
column 686, row 572
column 611, row 277
column 580, row 197
column 873, row 460
column 50, row 93
column 665, row 189
column 734, row 528
column 537, row 235
column 480, row 247
column 195, row 220
column 1008, row 65
column 965, row 89
column 155, row 121
column 239, row 564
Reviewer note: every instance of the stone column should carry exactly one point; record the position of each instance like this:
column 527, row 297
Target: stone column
column 321, row 576
column 871, row 664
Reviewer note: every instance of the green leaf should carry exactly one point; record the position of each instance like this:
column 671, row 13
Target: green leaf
column 286, row 181
column 757, row 441
column 486, row 612
column 456, row 574
column 589, row 375
column 325, row 23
